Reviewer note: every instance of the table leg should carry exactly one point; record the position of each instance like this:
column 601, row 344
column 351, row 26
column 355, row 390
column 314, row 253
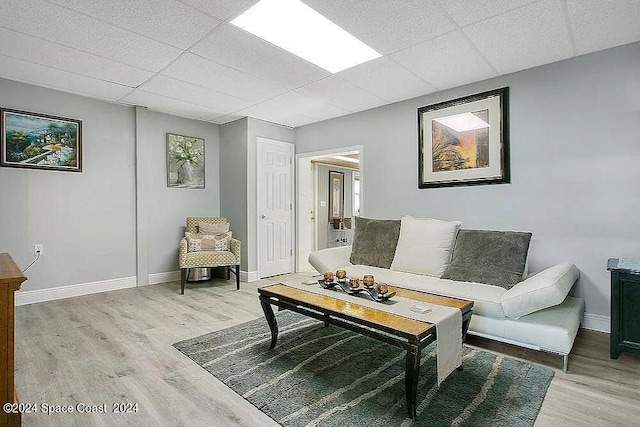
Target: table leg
column 465, row 326
column 411, row 375
column 271, row 320
column 466, row 320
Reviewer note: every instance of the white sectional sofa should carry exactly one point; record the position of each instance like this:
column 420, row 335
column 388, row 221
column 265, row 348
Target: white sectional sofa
column 535, row 313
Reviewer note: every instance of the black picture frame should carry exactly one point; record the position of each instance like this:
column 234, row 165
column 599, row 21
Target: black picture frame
column 476, row 126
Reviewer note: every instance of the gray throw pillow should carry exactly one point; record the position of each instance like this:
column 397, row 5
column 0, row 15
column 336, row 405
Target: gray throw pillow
column 492, row 257
column 375, row 241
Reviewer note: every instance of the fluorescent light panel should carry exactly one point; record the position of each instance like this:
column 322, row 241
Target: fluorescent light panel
column 463, row 122
column 346, row 159
column 297, row 28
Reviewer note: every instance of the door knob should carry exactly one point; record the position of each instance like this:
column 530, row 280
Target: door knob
column 263, row 216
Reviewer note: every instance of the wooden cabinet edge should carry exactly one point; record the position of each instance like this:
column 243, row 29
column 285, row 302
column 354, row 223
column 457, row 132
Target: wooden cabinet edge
column 11, row 278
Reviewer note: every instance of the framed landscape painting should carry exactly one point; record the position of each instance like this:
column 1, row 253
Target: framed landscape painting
column 464, row 141
column 185, row 161
column 39, row 141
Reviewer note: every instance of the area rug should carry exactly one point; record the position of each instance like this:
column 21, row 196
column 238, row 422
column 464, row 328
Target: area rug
column 328, row 376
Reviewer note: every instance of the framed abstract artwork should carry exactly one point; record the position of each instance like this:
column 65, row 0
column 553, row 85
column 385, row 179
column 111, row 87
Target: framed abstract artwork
column 336, row 195
column 39, row 141
column 185, row 161
column 464, row 141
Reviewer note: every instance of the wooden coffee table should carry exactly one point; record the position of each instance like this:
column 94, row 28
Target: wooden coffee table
column 411, row 335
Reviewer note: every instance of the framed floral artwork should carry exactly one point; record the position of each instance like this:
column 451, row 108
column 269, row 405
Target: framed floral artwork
column 185, row 161
column 464, row 141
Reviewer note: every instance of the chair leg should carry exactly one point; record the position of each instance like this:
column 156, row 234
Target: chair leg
column 183, row 279
column 237, row 277
column 228, row 269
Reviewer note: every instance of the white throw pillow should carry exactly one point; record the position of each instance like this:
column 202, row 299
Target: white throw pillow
column 425, row 245
column 542, row 290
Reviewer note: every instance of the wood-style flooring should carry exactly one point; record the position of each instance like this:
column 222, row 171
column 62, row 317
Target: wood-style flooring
column 116, row 347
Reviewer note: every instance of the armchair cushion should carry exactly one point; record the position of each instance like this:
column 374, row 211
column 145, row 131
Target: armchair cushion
column 208, row 228
column 208, row 242
column 209, row 259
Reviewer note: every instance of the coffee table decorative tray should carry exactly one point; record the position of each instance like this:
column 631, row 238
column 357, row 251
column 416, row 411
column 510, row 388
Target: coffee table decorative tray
column 371, row 292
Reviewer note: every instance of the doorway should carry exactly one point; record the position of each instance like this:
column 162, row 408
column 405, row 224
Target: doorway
column 275, row 207
column 321, row 220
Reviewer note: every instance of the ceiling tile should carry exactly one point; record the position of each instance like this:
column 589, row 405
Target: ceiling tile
column 221, row 9
column 387, row 79
column 32, row 49
column 171, row 106
column 269, row 114
column 446, row 61
column 198, row 71
column 601, row 24
column 238, row 49
column 338, row 92
column 465, row 12
column 176, row 89
column 40, row 75
column 386, row 26
column 533, row 35
column 305, row 105
column 162, row 20
column 226, row 119
column 57, row 24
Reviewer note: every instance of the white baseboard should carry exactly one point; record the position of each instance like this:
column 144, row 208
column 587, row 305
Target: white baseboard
column 169, row 276
column 597, row 322
column 60, row 292
column 249, row 276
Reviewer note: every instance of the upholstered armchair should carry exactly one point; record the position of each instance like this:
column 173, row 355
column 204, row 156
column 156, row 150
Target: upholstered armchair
column 208, row 258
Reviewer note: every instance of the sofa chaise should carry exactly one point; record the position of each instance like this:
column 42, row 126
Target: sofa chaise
column 486, row 266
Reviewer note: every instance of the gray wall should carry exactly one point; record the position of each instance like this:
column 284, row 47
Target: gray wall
column 574, row 159
column 167, row 208
column 86, row 221
column 233, row 177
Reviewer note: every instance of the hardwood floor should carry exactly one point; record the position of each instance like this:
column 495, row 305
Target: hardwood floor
column 117, row 347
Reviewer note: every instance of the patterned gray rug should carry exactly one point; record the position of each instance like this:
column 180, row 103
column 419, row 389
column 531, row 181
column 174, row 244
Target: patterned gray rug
column 328, row 376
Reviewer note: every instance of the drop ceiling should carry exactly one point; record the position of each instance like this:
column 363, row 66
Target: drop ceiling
column 184, row 58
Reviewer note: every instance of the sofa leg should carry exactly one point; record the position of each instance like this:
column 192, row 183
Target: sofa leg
column 565, row 363
column 183, row 278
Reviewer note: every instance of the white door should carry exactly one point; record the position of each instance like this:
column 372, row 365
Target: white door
column 275, row 207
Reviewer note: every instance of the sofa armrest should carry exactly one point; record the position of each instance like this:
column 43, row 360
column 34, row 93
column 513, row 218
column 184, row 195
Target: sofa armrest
column 182, row 253
column 330, row 259
column 545, row 289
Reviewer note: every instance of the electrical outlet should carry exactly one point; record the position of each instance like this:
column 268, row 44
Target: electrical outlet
column 38, row 247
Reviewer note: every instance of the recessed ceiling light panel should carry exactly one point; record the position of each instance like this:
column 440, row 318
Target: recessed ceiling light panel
column 297, row 28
